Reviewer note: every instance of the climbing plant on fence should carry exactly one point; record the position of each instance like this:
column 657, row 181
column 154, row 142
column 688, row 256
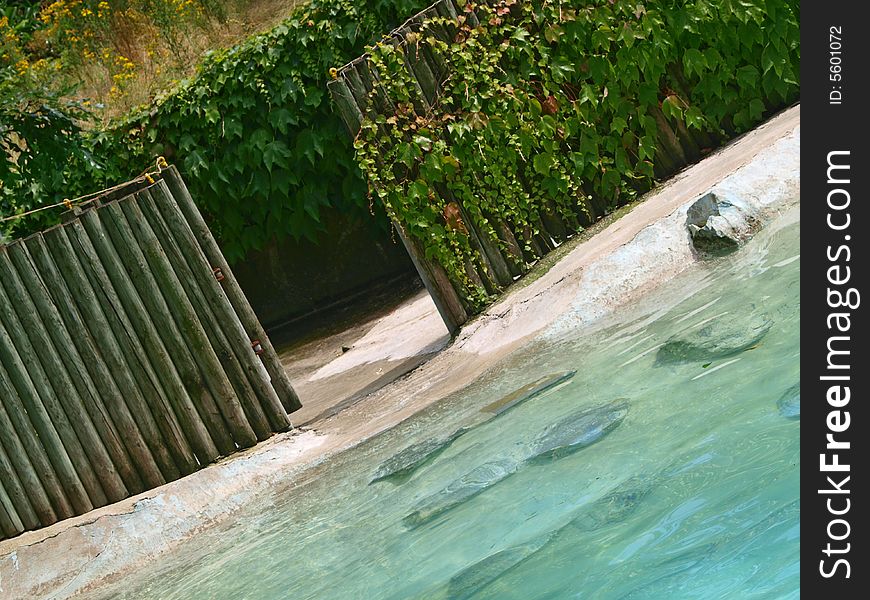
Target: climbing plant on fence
column 515, row 123
column 253, row 131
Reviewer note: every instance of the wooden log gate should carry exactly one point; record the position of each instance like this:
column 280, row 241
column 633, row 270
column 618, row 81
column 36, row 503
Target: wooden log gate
column 357, row 94
column 129, row 356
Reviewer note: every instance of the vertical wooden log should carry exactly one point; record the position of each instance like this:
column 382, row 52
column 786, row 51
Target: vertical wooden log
column 470, row 15
column 10, row 523
column 112, row 465
column 667, row 138
column 107, row 367
column 418, row 97
column 535, row 251
column 27, row 455
column 200, row 271
column 211, row 326
column 443, row 31
column 495, row 263
column 543, row 236
column 437, row 63
column 584, row 212
column 218, row 329
column 443, row 294
column 567, row 217
column 552, row 221
column 87, row 451
column 358, row 90
column 687, row 142
column 175, row 303
column 514, row 252
column 416, row 64
column 371, row 82
column 35, row 430
column 140, row 293
column 477, row 280
column 9, row 477
column 664, row 164
column 169, row 422
column 348, row 110
column 231, row 288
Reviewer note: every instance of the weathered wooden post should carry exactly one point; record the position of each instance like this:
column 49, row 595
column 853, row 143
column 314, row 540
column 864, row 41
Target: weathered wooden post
column 230, row 285
column 103, row 359
column 33, row 427
column 146, row 258
column 196, row 269
column 187, row 438
column 98, row 434
column 13, row 482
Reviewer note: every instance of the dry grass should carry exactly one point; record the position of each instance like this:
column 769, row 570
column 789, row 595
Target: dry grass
column 161, row 59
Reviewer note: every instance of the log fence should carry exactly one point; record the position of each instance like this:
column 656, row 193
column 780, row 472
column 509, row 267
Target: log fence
column 129, row 356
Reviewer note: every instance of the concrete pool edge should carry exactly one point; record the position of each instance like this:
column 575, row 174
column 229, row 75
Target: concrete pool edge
column 605, row 271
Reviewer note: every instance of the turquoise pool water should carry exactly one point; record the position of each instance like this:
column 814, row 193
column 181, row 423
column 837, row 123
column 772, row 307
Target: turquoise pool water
column 692, row 494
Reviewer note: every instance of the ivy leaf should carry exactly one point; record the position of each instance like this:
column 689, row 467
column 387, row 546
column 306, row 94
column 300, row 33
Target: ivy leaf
column 260, row 138
column 281, row 181
column 406, row 153
column 212, row 115
column 694, row 118
column 282, row 119
column 647, row 147
column 194, row 163
column 756, row 109
column 694, row 61
column 747, row 76
column 542, row 163
column 418, row 190
column 553, row 33
column 648, row 93
column 520, row 34
column 233, row 128
column 309, row 145
column 562, row 69
column 274, row 152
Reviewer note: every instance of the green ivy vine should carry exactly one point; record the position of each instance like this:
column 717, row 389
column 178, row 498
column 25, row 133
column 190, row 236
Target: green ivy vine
column 562, row 107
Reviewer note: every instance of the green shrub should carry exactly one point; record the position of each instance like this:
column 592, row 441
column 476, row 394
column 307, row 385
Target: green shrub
column 253, row 132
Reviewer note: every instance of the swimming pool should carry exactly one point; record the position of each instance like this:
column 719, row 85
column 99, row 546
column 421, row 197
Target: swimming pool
column 679, row 479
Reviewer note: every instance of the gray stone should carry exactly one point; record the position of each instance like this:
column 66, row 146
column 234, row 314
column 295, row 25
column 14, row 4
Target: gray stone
column 718, row 225
column 461, row 490
column 527, row 392
column 789, row 403
column 399, row 467
column 615, row 506
column 473, row 579
column 722, row 337
column 567, row 436
column 578, row 431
